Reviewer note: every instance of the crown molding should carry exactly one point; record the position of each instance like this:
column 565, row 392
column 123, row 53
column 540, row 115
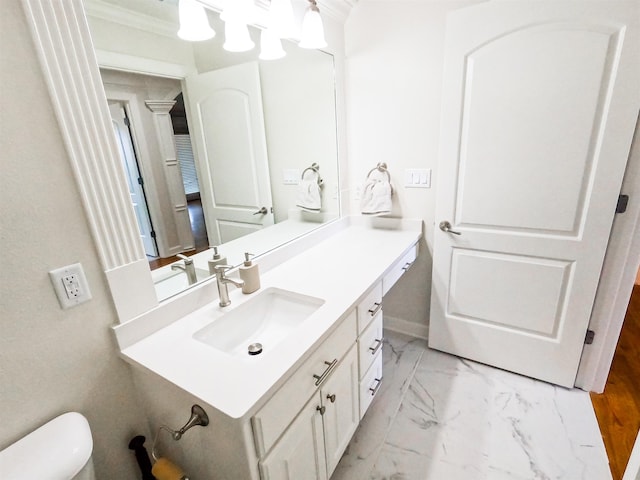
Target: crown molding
column 335, row 9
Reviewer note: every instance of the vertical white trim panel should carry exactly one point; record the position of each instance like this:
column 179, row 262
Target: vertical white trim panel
column 62, row 38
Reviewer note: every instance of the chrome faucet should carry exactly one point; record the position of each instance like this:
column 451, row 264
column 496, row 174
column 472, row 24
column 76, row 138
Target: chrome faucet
column 189, row 268
column 223, row 281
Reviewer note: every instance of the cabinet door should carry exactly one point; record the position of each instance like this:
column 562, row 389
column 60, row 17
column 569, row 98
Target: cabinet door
column 341, row 414
column 300, row 453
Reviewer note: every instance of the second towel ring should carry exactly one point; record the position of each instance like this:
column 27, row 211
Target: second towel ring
column 315, row 168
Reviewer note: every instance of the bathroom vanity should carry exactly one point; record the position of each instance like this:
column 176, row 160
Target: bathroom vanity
column 291, row 410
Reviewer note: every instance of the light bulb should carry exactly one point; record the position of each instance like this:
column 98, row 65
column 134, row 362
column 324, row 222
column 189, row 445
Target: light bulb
column 312, row 30
column 194, row 24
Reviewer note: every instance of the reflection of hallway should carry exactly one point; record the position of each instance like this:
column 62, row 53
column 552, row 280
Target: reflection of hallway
column 196, row 217
column 618, row 408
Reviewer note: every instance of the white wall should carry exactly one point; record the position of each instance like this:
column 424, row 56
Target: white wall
column 395, row 54
column 52, row 361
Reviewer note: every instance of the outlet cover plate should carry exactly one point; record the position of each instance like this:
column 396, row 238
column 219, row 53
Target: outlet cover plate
column 70, row 285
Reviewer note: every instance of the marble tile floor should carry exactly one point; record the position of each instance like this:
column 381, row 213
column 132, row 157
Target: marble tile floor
column 439, row 417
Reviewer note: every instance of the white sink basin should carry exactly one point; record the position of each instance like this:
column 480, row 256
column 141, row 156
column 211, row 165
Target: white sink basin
column 266, row 319
column 175, row 281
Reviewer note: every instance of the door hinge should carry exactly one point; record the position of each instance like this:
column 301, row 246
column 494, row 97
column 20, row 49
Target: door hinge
column 127, row 122
column 588, row 338
column 140, row 181
column 623, row 201
column 153, row 234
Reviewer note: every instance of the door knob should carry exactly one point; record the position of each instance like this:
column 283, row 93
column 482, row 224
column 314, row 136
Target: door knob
column 446, row 227
column 262, row 211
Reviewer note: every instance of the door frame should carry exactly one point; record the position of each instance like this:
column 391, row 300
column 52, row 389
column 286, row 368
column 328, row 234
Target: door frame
column 137, row 164
column 617, row 277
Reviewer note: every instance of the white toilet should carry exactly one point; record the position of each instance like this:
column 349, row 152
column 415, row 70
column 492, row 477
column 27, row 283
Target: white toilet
column 58, row 450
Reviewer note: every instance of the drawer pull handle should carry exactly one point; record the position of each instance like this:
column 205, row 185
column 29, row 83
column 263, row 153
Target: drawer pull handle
column 332, row 398
column 374, row 390
column 375, row 349
column 407, row 266
column 321, row 410
column 331, row 365
column 375, row 309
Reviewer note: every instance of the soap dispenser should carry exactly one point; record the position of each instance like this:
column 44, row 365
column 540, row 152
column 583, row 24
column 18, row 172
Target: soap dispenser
column 216, row 260
column 250, row 274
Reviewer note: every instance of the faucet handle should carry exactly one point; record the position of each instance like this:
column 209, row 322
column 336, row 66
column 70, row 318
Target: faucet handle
column 221, row 269
column 187, row 260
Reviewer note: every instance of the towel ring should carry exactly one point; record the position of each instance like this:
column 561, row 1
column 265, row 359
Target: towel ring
column 381, row 167
column 314, row 168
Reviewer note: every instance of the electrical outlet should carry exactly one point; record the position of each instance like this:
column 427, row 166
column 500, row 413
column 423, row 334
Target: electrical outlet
column 70, row 285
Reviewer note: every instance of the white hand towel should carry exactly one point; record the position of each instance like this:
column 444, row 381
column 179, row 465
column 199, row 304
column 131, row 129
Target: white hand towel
column 376, row 194
column 309, row 197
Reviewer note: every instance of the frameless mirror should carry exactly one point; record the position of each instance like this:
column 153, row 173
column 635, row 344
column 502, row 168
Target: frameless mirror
column 219, row 148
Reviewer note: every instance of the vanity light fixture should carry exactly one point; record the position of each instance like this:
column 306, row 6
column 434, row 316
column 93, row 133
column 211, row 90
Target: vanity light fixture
column 312, row 30
column 270, row 45
column 194, row 24
column 238, row 11
column 236, row 36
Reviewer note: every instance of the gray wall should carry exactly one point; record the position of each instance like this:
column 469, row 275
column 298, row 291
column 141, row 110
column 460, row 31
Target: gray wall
column 395, row 61
column 51, row 360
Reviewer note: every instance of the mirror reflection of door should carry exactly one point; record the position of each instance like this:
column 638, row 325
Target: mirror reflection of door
column 228, row 132
column 121, row 130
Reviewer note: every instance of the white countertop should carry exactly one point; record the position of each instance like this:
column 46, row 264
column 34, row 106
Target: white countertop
column 338, row 270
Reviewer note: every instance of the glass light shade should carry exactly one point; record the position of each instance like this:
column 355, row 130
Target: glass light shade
column 312, row 30
column 236, row 37
column 281, row 19
column 270, row 45
column 194, row 24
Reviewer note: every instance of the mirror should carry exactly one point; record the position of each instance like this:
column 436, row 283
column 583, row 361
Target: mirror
column 160, row 92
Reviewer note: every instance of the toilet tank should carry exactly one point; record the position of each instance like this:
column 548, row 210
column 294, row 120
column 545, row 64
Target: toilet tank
column 60, row 449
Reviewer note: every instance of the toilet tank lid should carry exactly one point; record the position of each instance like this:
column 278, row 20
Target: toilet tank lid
column 58, row 449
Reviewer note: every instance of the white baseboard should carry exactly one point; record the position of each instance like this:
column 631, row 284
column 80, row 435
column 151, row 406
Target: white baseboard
column 408, row 328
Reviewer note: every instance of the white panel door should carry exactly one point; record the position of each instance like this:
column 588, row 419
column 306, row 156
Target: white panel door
column 226, row 123
column 340, row 397
column 540, row 104
column 299, row 454
column 127, row 153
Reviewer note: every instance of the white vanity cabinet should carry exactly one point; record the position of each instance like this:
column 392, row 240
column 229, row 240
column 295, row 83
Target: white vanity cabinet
column 312, row 445
column 271, row 419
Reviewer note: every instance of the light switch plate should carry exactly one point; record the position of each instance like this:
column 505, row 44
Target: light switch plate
column 417, row 178
column 290, row 176
column 70, row 285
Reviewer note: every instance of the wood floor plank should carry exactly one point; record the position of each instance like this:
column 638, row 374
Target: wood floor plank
column 618, row 408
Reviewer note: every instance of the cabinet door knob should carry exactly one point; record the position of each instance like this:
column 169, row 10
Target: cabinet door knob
column 321, row 410
column 332, row 398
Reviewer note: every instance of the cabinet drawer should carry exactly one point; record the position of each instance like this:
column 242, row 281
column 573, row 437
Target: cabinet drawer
column 369, row 307
column 370, row 344
column 398, row 269
column 274, row 417
column 370, row 384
